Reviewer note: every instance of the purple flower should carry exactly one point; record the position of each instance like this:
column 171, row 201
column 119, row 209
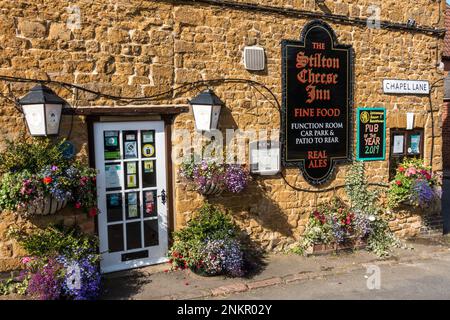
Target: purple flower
column 236, row 178
column 422, row 193
column 45, row 283
column 87, row 286
column 54, row 168
column 223, row 256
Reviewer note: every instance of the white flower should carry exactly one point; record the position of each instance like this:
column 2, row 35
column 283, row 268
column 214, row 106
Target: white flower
column 371, row 218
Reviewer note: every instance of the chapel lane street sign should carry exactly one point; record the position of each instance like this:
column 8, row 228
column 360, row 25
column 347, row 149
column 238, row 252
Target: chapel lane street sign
column 317, row 102
column 395, row 86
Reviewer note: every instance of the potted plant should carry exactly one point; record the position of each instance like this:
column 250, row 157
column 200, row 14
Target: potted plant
column 209, row 177
column 36, row 179
column 414, row 185
column 333, row 227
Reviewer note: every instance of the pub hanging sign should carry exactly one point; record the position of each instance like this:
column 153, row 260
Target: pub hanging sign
column 317, row 102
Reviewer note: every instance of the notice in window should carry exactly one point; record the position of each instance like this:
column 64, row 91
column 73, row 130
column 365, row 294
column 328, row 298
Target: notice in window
column 113, row 172
column 415, row 144
column 398, row 144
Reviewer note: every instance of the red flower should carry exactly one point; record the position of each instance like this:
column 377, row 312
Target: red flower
column 47, row 180
column 77, row 205
column 401, row 169
column 92, row 212
column 398, row 182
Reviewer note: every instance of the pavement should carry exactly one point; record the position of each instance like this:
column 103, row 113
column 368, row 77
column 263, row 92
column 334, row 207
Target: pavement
column 289, row 276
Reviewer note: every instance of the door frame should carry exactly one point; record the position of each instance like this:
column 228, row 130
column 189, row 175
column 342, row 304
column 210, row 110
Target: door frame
column 168, row 120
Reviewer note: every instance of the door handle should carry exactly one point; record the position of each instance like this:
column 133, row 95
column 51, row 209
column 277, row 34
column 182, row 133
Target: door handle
column 163, row 196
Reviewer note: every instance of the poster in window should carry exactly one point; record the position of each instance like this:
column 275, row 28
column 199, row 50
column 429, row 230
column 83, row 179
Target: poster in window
column 148, row 166
column 130, row 137
column 132, row 211
column 147, row 136
column 132, row 198
column 148, row 150
column 113, row 172
column 130, row 149
column 132, row 205
column 398, row 144
column 131, row 167
column 131, row 181
column 150, row 203
column 111, row 145
column 415, row 144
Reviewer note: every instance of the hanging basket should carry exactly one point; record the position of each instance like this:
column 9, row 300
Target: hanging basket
column 47, row 206
column 211, row 189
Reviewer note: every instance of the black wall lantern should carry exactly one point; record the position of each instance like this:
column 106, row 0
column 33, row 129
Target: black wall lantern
column 206, row 108
column 42, row 109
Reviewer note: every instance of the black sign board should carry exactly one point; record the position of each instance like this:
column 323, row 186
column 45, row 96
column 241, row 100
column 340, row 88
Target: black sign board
column 370, row 134
column 317, row 102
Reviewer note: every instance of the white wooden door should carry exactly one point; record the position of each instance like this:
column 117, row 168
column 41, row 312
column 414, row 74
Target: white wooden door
column 131, row 188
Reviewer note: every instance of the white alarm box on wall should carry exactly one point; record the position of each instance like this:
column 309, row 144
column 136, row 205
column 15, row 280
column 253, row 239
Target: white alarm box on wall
column 265, row 157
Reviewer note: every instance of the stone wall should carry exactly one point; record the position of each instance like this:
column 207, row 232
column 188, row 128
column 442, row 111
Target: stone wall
column 135, row 48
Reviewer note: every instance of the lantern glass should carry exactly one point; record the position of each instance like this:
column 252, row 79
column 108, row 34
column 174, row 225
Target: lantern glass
column 42, row 119
column 53, row 117
column 35, row 118
column 202, row 115
column 215, row 116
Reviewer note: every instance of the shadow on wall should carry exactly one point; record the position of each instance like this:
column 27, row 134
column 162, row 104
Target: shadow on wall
column 258, row 214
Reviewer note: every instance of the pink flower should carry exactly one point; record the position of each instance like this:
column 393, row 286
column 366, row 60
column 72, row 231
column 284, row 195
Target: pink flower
column 411, row 171
column 26, row 260
column 77, row 205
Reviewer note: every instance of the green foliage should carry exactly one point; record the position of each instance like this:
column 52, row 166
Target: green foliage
column 35, row 169
column 362, row 199
column 381, row 240
column 14, row 285
column 10, row 186
column 209, row 223
column 31, row 155
column 57, row 240
column 334, row 221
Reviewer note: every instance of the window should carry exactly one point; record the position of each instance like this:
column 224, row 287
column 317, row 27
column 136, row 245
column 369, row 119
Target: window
column 404, row 144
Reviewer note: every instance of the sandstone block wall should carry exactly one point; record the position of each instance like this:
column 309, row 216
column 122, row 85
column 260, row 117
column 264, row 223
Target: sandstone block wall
column 135, row 48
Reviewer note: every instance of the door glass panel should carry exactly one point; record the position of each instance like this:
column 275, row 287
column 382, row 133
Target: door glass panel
column 115, row 238
column 148, row 144
column 150, row 204
column 132, row 205
column 148, row 173
column 130, row 144
column 112, row 147
column 114, row 207
column 151, row 233
column 134, row 235
column 131, row 176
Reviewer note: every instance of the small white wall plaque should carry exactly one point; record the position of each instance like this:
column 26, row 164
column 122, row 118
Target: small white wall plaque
column 265, row 157
column 409, row 121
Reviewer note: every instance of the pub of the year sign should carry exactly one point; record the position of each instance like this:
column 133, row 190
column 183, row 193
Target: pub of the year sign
column 317, row 102
column 370, row 134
